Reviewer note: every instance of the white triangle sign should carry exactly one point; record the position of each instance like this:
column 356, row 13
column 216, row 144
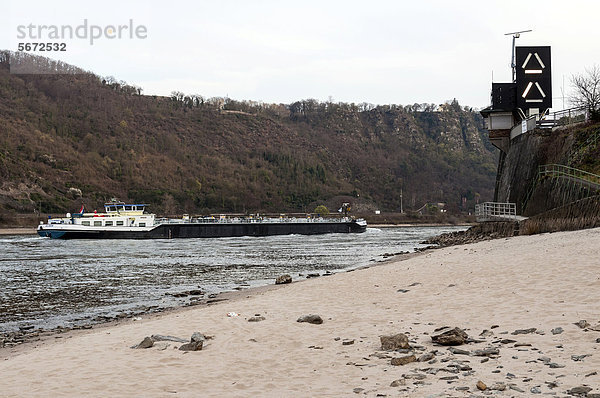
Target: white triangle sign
column 527, row 91
column 537, row 69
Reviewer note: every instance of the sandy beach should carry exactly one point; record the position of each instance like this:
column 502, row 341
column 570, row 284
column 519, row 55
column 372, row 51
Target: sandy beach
column 517, row 297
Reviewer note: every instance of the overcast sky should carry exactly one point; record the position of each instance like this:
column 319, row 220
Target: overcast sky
column 381, row 52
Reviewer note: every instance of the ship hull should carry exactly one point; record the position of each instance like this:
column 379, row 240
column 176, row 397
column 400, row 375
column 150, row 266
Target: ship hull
column 204, row 230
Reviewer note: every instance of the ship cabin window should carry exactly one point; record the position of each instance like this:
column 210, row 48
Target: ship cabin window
column 114, row 208
column 127, row 208
column 97, row 223
column 86, row 223
column 119, row 223
column 142, row 224
column 108, row 223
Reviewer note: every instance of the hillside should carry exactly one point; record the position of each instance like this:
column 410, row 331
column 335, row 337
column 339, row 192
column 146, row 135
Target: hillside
column 73, row 138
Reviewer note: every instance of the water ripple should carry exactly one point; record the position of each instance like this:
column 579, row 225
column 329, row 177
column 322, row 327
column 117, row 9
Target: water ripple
column 51, row 283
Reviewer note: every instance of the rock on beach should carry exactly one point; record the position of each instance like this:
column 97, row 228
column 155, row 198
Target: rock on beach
column 196, row 343
column 454, row 336
column 282, row 279
column 403, row 360
column 148, row 342
column 394, row 342
column 311, row 318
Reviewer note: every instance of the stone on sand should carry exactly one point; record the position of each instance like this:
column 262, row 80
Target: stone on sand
column 454, row 336
column 486, row 352
column 582, row 324
column 146, row 343
column 399, row 361
column 257, row 318
column 196, row 343
column 581, row 390
column 160, row 337
column 524, row 331
column 394, row 342
column 426, row 357
column 311, row 318
column 283, row 279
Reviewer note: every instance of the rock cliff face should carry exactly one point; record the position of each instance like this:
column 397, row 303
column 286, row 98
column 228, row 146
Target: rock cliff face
column 518, row 179
column 520, row 169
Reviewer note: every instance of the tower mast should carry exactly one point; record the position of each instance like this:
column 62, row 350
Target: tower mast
column 513, row 65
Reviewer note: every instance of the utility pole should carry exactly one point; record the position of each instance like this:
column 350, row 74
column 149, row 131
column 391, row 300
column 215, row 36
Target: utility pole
column 401, row 209
column 513, row 65
column 562, row 90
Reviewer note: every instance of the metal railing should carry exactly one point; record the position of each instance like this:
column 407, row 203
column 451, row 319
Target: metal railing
column 559, row 170
column 579, row 178
column 496, row 211
column 564, row 117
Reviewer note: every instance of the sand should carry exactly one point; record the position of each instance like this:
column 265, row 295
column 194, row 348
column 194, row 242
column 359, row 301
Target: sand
column 544, row 282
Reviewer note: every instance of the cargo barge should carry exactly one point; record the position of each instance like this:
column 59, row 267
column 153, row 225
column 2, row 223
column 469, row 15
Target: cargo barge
column 129, row 221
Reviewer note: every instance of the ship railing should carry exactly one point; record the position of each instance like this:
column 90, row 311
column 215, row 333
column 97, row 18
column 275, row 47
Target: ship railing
column 241, row 220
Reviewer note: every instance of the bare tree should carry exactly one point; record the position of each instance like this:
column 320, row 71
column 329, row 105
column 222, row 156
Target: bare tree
column 587, row 90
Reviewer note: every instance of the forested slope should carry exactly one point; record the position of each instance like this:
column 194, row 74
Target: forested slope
column 72, row 138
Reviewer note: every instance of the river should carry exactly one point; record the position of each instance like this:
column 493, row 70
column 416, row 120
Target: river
column 49, row 283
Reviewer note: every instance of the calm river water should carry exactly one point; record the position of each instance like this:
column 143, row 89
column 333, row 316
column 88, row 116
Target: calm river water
column 49, row 283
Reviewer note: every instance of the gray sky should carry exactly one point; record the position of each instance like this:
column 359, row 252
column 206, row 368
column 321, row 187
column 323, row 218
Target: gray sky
column 276, row 51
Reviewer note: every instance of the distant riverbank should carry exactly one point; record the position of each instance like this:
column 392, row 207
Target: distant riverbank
column 17, row 231
column 420, row 225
